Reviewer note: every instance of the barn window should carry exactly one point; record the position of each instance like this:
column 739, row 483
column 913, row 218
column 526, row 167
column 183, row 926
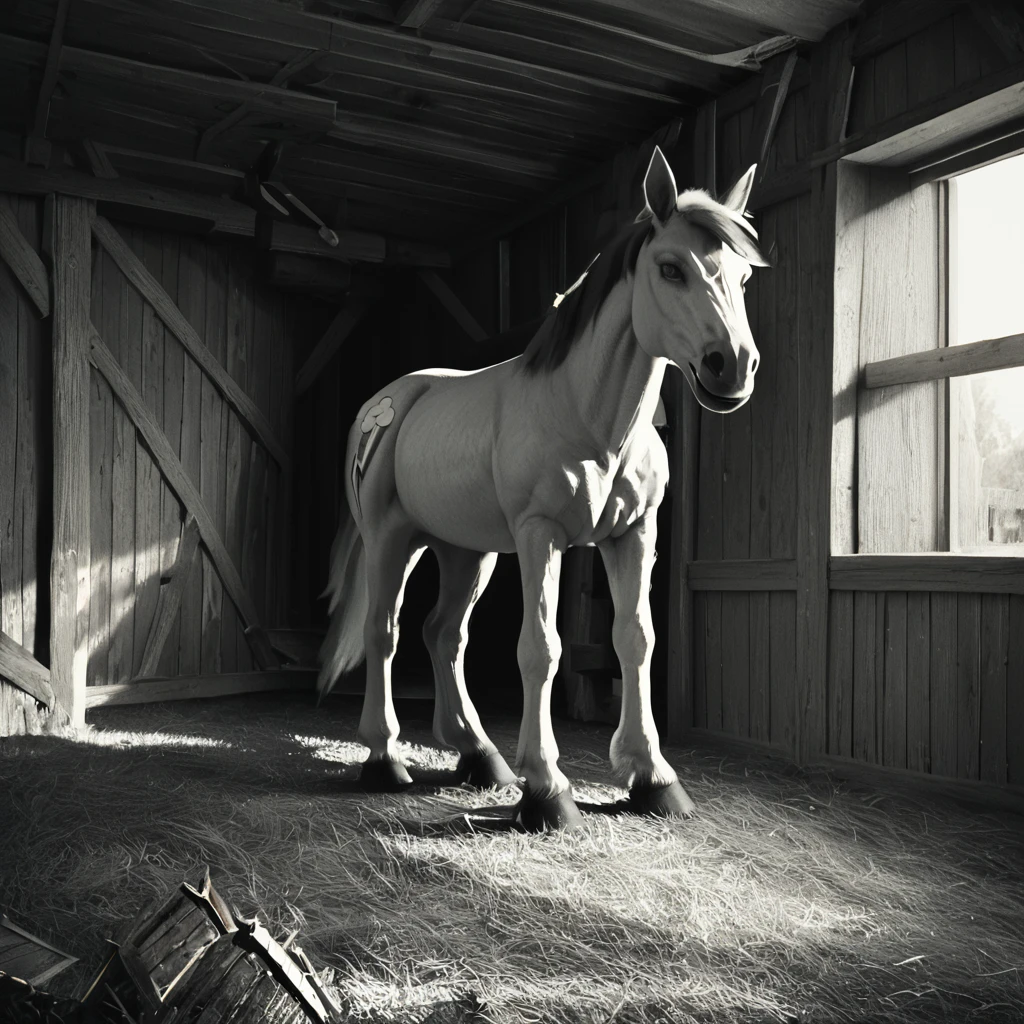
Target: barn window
column 930, row 338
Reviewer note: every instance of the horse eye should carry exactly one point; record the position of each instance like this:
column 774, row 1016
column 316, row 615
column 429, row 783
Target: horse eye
column 671, row 272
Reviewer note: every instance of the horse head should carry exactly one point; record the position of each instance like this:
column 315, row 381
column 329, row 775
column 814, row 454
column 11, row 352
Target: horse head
column 688, row 286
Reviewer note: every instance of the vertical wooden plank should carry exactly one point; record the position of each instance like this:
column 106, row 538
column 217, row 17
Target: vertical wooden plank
column 147, row 476
column 782, row 615
column 173, row 382
column 760, row 666
column 968, row 679
column 862, row 97
column 1015, row 692
column 894, row 729
column 700, row 644
column 122, row 475
column 840, row 673
column 235, row 473
column 735, row 641
column 192, row 303
column 930, row 63
column 918, row 692
column 890, row 69
column 212, row 445
column 10, row 552
column 831, row 73
column 784, row 420
column 995, row 625
column 284, row 371
column 106, row 316
column 864, row 645
column 33, row 341
column 881, row 600
column 69, row 566
column 942, row 685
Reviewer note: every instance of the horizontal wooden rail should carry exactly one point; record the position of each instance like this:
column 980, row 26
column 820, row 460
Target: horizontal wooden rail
column 951, row 361
column 147, row 691
column 224, row 216
column 743, row 574
column 965, row 574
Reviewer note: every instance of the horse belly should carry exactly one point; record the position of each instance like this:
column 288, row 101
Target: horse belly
column 443, row 470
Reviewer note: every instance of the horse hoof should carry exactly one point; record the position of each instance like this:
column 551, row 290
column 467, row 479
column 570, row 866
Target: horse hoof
column 382, row 775
column 554, row 813
column 485, row 770
column 671, row 801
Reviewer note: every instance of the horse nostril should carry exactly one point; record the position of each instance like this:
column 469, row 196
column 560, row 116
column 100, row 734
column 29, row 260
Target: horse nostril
column 753, row 365
column 715, row 362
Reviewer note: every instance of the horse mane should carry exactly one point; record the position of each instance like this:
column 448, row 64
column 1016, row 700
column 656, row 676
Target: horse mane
column 574, row 310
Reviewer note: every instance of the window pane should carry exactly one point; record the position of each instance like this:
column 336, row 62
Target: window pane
column 987, row 409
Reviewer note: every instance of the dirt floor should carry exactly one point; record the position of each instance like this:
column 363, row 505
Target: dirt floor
column 791, row 896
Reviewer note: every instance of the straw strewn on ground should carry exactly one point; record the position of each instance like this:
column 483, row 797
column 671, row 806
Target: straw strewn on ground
column 788, row 897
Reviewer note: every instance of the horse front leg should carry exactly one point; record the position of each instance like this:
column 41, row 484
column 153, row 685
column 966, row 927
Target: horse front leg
column 547, row 800
column 635, row 750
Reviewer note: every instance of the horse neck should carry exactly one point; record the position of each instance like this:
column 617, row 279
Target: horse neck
column 608, row 378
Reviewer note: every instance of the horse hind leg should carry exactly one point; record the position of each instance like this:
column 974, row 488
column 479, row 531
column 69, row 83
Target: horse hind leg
column 464, row 577
column 391, row 556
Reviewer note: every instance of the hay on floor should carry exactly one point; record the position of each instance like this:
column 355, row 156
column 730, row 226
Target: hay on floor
column 789, row 896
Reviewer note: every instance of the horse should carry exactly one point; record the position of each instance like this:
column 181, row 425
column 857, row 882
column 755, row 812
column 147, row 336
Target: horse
column 551, row 449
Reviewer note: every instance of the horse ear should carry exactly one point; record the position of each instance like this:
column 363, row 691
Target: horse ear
column 659, row 188
column 739, row 194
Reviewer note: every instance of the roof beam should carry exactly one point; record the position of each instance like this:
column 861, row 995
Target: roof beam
column 416, row 13
column 36, row 151
column 225, row 215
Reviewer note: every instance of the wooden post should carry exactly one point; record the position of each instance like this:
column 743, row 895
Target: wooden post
column 831, row 78
column 70, row 221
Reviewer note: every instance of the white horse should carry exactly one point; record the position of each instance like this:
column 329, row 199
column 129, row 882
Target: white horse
column 551, row 449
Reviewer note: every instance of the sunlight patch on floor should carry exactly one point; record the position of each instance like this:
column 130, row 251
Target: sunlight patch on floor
column 93, row 736
column 415, row 755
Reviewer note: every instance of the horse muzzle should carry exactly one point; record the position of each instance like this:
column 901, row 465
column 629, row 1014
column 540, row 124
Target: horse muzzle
column 712, row 396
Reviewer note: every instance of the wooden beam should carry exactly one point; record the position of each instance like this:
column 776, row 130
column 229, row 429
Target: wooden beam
column 148, row 691
column 778, row 73
column 294, row 273
column 37, row 129
column 152, row 291
column 24, row 261
column 181, row 484
column 226, row 216
column 19, row 667
column 333, row 338
column 99, row 162
column 451, row 302
column 965, row 574
column 293, row 67
column 831, row 79
column 172, row 588
column 908, row 139
column 416, row 13
column 69, row 563
column 748, row 58
column 743, row 574
column 893, row 22
column 951, row 361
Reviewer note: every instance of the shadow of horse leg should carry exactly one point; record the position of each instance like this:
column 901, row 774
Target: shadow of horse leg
column 464, row 577
column 391, row 555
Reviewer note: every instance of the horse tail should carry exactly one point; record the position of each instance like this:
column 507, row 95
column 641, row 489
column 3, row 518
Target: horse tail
column 343, row 647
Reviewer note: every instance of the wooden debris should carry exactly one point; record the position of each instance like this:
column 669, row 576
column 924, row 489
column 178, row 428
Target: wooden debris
column 27, row 957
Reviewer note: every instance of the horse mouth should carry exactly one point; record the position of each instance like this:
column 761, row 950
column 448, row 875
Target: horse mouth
column 708, row 399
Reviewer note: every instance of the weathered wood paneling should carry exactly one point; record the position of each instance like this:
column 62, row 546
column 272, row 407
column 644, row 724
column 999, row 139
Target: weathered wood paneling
column 934, row 682
column 25, row 459
column 136, row 521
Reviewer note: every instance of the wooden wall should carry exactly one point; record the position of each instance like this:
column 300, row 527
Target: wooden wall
column 253, row 331
column 25, row 526
column 928, row 681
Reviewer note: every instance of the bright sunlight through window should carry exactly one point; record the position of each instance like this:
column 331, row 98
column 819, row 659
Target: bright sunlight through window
column 987, row 409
